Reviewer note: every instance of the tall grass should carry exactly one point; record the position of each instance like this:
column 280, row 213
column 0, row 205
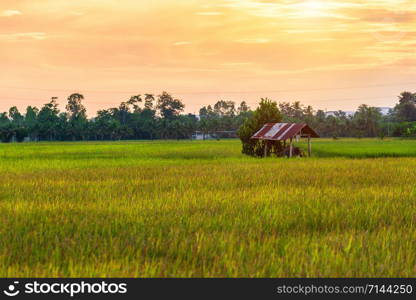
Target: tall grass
column 201, row 209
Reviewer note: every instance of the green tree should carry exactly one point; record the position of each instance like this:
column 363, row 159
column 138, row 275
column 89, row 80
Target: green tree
column 267, row 112
column 149, row 99
column 77, row 117
column 31, row 122
column 367, row 120
column 6, row 128
column 168, row 106
column 405, row 110
column 225, row 108
column 134, row 101
column 243, row 108
column 48, row 120
column 17, row 122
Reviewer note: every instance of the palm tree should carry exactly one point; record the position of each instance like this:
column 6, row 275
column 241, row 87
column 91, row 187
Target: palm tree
column 367, row 119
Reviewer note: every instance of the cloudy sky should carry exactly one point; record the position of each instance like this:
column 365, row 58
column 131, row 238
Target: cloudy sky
column 330, row 54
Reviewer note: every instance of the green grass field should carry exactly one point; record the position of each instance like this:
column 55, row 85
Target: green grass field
column 201, row 209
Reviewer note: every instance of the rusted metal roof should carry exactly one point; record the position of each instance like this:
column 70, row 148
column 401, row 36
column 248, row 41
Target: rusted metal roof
column 284, row 131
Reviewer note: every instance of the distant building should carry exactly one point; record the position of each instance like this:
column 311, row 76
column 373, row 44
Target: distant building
column 199, row 135
column 216, row 135
column 385, row 110
column 333, row 113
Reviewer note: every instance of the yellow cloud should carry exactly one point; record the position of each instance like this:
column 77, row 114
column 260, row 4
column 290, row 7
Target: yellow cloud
column 254, row 41
column 182, row 43
column 209, row 13
column 23, row 36
column 10, row 13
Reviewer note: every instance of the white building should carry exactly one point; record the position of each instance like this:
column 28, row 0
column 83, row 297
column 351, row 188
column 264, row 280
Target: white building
column 198, row 135
column 385, row 110
column 333, row 113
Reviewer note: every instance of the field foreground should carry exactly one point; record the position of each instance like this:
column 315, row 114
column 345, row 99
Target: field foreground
column 201, row 209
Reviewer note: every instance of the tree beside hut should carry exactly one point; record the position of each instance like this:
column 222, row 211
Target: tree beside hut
column 266, row 112
column 263, row 133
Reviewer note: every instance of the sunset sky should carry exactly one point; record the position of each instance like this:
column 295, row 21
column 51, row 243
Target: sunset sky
column 329, row 54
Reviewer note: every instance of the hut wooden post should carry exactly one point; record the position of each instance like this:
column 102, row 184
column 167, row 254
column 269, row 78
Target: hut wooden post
column 265, row 148
column 309, row 146
column 291, row 148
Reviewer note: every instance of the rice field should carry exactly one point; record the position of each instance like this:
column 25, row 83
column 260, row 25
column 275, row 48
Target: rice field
column 202, row 209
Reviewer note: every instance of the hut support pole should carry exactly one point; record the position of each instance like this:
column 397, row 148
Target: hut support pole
column 265, row 148
column 309, row 146
column 291, row 148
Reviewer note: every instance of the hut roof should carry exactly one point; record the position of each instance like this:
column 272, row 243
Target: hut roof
column 284, row 131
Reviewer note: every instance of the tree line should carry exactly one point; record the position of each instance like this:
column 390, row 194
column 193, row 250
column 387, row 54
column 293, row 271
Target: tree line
column 161, row 117
column 367, row 121
column 140, row 117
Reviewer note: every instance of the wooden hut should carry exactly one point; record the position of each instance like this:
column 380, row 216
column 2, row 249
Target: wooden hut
column 284, row 132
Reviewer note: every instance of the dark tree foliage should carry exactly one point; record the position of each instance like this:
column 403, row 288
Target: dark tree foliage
column 222, row 117
column 48, row 121
column 144, row 116
column 168, row 106
column 6, row 128
column 31, row 122
column 267, row 112
column 405, row 110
